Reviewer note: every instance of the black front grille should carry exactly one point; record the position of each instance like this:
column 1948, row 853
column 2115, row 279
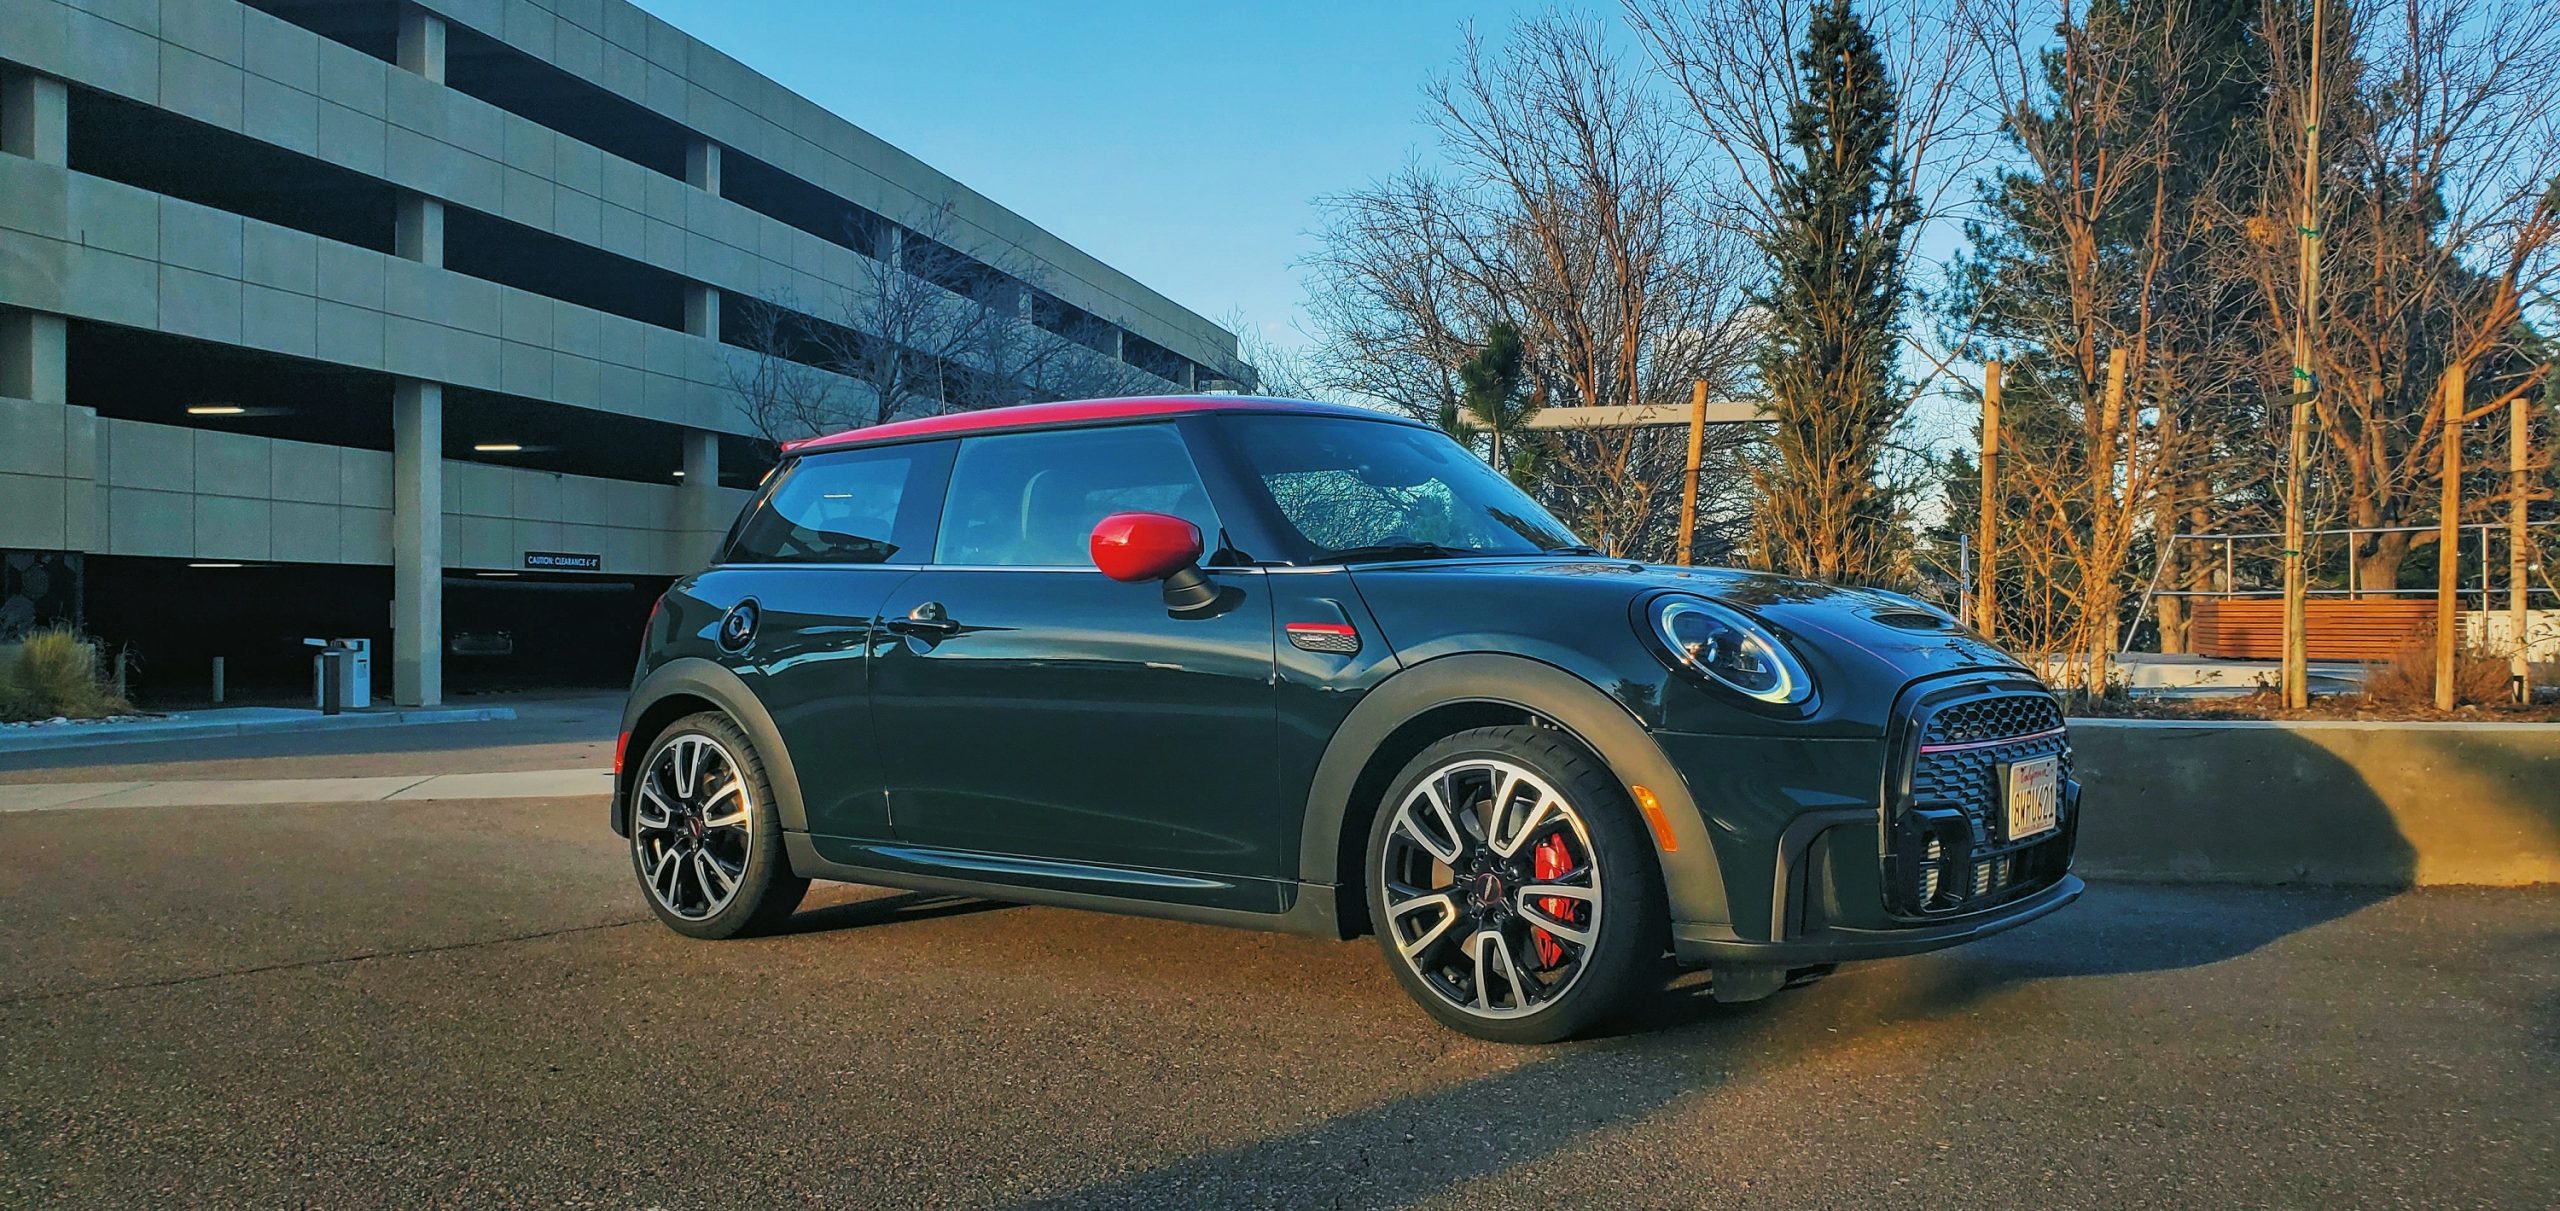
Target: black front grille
column 1992, row 719
column 1947, row 850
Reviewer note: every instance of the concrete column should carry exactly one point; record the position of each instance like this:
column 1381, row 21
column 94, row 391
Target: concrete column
column 701, row 521
column 34, row 357
column 421, row 43
column 418, row 229
column 35, row 117
column 702, row 166
column 417, row 543
column 701, row 311
column 34, row 366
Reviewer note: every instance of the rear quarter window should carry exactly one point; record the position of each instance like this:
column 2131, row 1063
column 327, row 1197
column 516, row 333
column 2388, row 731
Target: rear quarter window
column 848, row 507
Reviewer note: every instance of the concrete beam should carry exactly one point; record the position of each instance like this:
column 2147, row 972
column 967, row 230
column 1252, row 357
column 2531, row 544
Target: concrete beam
column 421, row 43
column 1624, row 416
column 703, row 517
column 35, row 117
column 417, row 543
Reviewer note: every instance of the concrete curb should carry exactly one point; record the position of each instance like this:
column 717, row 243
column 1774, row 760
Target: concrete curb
column 184, row 727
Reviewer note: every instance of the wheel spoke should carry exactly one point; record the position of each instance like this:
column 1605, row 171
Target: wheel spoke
column 1446, row 851
column 687, row 766
column 1445, row 902
column 1536, row 914
column 735, row 817
column 1507, row 845
column 662, row 878
column 653, row 811
column 708, row 870
column 1489, row 942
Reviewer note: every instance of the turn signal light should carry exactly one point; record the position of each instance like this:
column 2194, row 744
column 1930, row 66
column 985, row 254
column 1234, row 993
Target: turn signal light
column 1661, row 824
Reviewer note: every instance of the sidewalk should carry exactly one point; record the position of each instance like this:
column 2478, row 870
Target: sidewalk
column 229, row 721
column 238, row 792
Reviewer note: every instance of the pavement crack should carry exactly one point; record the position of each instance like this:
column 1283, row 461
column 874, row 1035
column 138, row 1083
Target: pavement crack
column 305, row 964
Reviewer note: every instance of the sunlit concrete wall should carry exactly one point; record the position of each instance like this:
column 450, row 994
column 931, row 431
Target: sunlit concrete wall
column 2379, row 804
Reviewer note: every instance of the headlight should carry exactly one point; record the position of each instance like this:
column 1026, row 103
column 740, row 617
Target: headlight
column 1730, row 648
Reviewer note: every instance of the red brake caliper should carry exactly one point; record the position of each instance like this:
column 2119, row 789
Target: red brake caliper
column 1547, row 862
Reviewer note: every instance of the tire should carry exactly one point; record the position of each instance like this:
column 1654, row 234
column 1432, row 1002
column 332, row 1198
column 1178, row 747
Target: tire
column 1438, row 885
column 707, row 848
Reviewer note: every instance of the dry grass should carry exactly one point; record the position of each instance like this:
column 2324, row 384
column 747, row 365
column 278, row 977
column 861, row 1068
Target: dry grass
column 55, row 672
column 2408, row 679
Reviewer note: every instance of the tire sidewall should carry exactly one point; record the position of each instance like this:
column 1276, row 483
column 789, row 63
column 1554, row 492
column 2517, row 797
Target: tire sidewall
column 1632, row 918
column 767, row 878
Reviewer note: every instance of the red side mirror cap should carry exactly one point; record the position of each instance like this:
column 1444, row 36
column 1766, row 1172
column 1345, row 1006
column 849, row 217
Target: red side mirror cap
column 1144, row 546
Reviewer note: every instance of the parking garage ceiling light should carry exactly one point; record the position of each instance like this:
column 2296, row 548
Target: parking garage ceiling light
column 215, row 410
column 497, row 448
column 217, row 565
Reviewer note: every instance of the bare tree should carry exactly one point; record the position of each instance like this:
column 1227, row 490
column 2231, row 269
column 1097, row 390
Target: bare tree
column 2441, row 225
column 1561, row 211
column 921, row 329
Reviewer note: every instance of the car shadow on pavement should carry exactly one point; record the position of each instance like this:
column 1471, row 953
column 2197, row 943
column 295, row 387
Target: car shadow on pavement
column 900, row 908
column 1411, row 1148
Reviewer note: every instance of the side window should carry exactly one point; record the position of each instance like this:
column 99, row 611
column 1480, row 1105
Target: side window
column 1031, row 499
column 833, row 508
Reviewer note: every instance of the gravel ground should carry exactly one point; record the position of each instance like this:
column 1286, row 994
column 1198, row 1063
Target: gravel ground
column 461, row 1004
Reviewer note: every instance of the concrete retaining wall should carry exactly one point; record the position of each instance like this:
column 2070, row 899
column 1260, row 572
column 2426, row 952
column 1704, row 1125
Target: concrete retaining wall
column 2390, row 804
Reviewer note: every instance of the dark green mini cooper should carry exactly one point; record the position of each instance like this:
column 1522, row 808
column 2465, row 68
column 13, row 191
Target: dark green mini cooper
column 1296, row 666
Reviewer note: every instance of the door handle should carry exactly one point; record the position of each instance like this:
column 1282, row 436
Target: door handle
column 929, row 621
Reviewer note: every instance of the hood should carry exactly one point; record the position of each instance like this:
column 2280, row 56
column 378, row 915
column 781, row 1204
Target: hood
column 1894, row 636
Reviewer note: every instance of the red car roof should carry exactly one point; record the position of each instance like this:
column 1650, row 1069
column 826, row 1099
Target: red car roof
column 1070, row 413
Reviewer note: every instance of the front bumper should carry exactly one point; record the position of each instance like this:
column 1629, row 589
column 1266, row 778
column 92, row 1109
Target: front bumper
column 1718, row 944
column 1833, row 851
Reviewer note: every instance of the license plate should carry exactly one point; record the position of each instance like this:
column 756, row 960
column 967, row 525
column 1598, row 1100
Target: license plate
column 2035, row 797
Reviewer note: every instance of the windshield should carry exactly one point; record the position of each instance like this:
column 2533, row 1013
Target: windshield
column 1372, row 489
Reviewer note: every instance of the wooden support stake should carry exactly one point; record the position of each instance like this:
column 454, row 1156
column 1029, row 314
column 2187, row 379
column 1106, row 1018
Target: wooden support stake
column 2449, row 534
column 2519, row 484
column 1697, row 451
column 1986, row 603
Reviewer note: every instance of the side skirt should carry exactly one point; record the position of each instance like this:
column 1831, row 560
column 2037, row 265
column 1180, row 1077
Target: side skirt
column 1307, row 908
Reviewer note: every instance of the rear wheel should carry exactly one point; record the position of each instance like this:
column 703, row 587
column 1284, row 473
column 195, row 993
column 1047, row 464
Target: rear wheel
column 1512, row 891
column 706, row 843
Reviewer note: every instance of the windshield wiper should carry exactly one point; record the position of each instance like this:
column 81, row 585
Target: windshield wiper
column 1579, row 548
column 1393, row 550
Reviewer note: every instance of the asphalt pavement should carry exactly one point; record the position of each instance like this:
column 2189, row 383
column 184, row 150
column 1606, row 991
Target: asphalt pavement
column 461, row 1002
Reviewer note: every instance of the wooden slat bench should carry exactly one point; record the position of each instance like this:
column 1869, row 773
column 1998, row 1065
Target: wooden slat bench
column 2252, row 628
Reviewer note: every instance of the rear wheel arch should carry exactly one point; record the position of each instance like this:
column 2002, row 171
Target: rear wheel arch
column 1415, row 708
column 692, row 685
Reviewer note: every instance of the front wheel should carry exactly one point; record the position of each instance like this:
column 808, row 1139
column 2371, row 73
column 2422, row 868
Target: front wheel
column 1511, row 888
column 706, row 842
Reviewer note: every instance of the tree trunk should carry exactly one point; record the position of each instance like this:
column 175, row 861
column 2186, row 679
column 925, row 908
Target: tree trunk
column 2378, row 559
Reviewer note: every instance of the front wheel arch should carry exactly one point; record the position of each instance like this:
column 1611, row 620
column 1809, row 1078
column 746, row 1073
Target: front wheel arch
column 1418, row 706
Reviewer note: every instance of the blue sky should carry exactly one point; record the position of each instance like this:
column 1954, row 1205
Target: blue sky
column 1182, row 143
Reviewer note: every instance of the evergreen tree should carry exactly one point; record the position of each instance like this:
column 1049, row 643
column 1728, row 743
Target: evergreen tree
column 1495, row 392
column 1833, row 306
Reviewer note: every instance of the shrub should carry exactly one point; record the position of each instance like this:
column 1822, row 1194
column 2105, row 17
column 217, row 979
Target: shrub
column 2408, row 679
column 56, row 672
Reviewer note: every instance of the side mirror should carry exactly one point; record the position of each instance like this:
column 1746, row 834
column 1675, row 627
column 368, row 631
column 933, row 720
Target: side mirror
column 1136, row 547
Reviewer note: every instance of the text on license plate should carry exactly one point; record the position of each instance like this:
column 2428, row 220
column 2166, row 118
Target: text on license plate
column 2035, row 797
